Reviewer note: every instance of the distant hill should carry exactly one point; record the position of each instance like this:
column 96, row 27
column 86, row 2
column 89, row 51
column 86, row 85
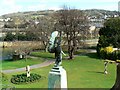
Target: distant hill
column 28, row 14
column 89, row 12
column 99, row 12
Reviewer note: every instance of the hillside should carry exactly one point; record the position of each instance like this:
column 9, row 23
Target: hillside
column 89, row 12
column 28, row 14
column 94, row 12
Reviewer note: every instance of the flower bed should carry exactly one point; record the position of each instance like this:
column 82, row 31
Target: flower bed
column 22, row 78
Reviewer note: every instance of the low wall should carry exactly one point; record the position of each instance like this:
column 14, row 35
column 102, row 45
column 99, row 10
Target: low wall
column 22, row 44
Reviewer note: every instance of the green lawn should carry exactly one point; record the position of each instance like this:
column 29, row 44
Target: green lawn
column 43, row 54
column 85, row 72
column 10, row 64
column 82, row 72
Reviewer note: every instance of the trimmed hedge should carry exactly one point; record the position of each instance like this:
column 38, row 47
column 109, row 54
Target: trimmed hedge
column 22, row 78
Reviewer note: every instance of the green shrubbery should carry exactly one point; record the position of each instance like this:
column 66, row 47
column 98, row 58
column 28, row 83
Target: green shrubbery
column 22, row 78
column 20, row 36
column 109, row 53
column 109, row 37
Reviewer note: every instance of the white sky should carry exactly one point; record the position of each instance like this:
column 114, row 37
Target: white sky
column 10, row 6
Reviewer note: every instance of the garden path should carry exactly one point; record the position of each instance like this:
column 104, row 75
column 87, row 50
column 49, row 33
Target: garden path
column 44, row 64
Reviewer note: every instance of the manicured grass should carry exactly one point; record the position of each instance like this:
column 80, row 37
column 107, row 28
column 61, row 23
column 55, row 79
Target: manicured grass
column 87, row 72
column 43, row 54
column 81, row 51
column 10, row 64
column 82, row 72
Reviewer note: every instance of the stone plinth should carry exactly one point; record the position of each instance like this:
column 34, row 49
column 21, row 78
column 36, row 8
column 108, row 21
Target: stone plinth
column 57, row 79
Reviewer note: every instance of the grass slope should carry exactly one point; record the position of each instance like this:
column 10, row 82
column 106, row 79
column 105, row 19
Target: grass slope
column 87, row 72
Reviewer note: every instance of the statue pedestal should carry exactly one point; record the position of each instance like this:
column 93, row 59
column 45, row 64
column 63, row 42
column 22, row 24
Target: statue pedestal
column 57, row 79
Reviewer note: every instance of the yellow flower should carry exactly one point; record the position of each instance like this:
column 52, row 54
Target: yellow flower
column 108, row 49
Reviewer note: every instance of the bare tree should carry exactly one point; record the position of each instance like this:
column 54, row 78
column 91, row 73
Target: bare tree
column 42, row 28
column 72, row 22
column 46, row 25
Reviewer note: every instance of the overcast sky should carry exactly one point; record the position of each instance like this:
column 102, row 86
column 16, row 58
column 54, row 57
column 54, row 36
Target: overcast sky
column 10, row 6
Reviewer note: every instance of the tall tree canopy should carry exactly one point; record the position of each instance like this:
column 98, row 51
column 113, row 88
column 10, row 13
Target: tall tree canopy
column 110, row 33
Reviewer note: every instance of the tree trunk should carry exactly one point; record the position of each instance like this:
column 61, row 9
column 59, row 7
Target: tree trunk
column 70, row 49
column 45, row 46
column 71, row 54
column 117, row 83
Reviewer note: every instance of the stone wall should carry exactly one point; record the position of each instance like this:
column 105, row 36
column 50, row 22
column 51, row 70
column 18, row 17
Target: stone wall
column 22, row 44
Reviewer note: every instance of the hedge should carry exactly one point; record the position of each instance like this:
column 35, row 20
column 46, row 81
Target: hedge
column 109, row 53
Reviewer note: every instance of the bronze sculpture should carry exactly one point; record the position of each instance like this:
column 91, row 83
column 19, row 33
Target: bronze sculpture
column 55, row 47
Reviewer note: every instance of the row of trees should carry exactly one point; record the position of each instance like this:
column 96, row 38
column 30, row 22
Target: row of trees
column 72, row 23
column 20, row 36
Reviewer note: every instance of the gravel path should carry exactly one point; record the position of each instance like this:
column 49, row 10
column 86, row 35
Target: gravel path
column 44, row 64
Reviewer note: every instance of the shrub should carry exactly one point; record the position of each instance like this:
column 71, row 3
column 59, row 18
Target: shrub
column 108, row 49
column 22, row 78
column 109, row 53
column 98, row 50
column 118, row 54
column 102, row 53
column 114, row 55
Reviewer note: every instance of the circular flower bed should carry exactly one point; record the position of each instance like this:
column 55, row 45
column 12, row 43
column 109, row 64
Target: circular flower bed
column 22, row 78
